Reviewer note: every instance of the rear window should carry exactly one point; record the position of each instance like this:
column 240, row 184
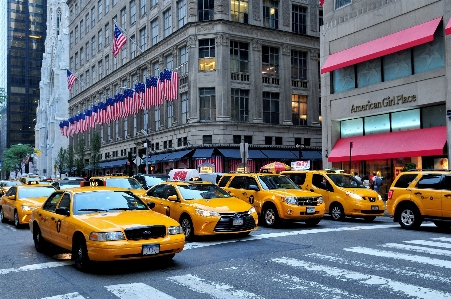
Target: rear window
column 404, row 180
column 224, row 180
column 297, row 178
column 430, row 181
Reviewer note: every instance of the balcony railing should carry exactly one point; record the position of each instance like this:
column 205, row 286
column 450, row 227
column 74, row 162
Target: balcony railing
column 240, row 77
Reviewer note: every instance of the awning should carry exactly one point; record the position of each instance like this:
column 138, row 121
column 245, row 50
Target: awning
column 118, row 163
column 176, row 155
column 230, row 153
column 203, row 153
column 448, row 28
column 279, row 154
column 401, row 40
column 156, row 158
column 256, row 154
column 412, row 143
column 308, row 155
column 105, row 164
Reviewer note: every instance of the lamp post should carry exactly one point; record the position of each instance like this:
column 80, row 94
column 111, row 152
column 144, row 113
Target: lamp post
column 350, row 156
column 300, row 147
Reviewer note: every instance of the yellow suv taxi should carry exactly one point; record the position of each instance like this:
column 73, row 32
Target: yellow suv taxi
column 343, row 194
column 119, row 181
column 275, row 197
column 416, row 196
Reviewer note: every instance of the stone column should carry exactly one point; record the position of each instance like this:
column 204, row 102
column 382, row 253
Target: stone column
column 222, row 45
column 285, row 85
column 193, row 69
column 313, row 87
column 255, row 95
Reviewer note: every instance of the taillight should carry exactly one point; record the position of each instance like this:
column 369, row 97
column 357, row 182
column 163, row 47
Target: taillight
column 390, row 194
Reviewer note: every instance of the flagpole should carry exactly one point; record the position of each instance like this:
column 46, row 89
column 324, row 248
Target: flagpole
column 123, row 32
column 78, row 79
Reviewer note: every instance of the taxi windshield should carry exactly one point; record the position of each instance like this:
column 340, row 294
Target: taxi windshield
column 35, row 191
column 127, row 183
column 271, row 182
column 106, row 201
column 199, row 191
column 10, row 184
column 345, row 181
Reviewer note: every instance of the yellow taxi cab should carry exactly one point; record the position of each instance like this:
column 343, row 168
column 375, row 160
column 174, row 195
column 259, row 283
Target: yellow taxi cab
column 20, row 200
column 274, row 197
column 5, row 185
column 104, row 224
column 119, row 181
column 343, row 194
column 202, row 208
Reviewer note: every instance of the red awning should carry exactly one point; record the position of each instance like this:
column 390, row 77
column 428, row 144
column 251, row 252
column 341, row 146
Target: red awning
column 401, row 40
column 412, row 143
column 448, row 28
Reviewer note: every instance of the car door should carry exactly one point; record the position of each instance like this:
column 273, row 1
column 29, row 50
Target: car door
column 9, row 202
column 156, row 195
column 320, row 184
column 428, row 192
column 446, row 196
column 61, row 227
column 172, row 208
column 45, row 216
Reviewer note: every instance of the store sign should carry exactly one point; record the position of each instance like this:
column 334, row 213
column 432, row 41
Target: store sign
column 385, row 102
column 300, row 165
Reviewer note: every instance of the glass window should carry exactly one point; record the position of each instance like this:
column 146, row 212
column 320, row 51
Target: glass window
column 344, row 79
column 377, row 124
column 100, row 67
column 153, row 3
column 270, row 61
column 240, row 104
column 132, row 47
column 167, row 17
column 299, row 109
column 114, row 2
column 270, row 107
column 429, row 116
column 405, row 120
column 369, row 72
column 205, row 10
column 181, row 10
column 430, row 56
column 154, row 26
column 82, row 29
column 93, row 46
column 107, row 34
column 93, row 17
column 82, row 56
column 299, row 19
column 76, row 34
column 185, row 107
column 107, row 65
column 429, row 181
column 100, row 40
column 107, row 6
column 397, row 65
column 341, row 3
column 132, row 12
column 271, row 14
column 351, row 127
column 207, row 101
column 207, row 61
column 240, row 11
column 142, row 7
column 123, row 18
column 298, row 65
column 88, row 21
column 183, row 60
column 239, row 57
column 143, row 39
column 100, row 9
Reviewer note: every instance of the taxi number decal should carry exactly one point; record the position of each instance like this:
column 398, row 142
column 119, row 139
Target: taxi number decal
column 251, row 199
column 58, row 225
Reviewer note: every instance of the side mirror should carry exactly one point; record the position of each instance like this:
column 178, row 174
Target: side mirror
column 62, row 211
column 254, row 188
column 151, row 205
column 173, row 198
column 11, row 197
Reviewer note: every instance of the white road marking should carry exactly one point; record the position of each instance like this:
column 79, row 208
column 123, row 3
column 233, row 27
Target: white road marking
column 67, row 296
column 427, row 250
column 216, row 290
column 136, row 291
column 430, row 243
column 194, row 245
column 365, row 279
column 401, row 256
column 35, row 267
column 442, row 239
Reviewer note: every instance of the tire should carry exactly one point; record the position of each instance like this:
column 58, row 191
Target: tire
column 80, row 255
column 337, row 212
column 442, row 224
column 270, row 216
column 187, row 226
column 16, row 220
column 369, row 219
column 409, row 217
column 167, row 258
column 312, row 222
column 2, row 216
column 242, row 235
column 39, row 243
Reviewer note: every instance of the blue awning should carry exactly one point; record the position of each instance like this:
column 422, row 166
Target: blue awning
column 105, row 164
column 309, row 155
column 203, row 153
column 256, row 154
column 118, row 163
column 176, row 155
column 279, row 154
column 230, row 153
column 156, row 158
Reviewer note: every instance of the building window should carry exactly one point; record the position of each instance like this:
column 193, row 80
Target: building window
column 76, row 34
column 247, row 139
column 183, row 60
column 93, row 17
column 240, row 104
column 185, row 107
column 123, row 18
column 298, row 65
column 206, row 9
column 320, row 18
column 87, row 51
column 181, row 11
column 170, row 113
column 76, row 8
column 236, row 139
column 341, row 3
column 278, row 140
column 154, row 26
column 93, row 46
column 142, row 7
column 271, row 107
column 268, row 140
column 82, row 29
column 207, row 139
column 76, row 61
column 169, row 62
column 167, row 17
column 107, row 65
column 239, row 11
column 143, row 39
column 239, row 57
column 71, row 39
column 93, row 72
column 156, row 69
column 157, row 118
column 270, row 61
column 88, row 21
column 114, row 2
column 299, row 19
column 207, row 60
column 82, row 56
column 207, row 101
column 124, row 54
column 107, row 34
column 271, row 14
column 153, row 3
column 100, row 9
column 100, row 40
column 132, row 48
column 107, row 6
column 100, row 67
column 132, row 12
column 299, row 109
column 88, row 79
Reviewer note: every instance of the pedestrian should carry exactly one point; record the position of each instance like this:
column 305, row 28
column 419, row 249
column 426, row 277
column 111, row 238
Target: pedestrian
column 377, row 182
column 366, row 181
column 356, row 176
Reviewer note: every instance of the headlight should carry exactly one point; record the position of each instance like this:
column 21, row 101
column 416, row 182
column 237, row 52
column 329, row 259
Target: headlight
column 354, row 196
column 379, row 197
column 291, row 200
column 252, row 211
column 206, row 213
column 102, row 237
column 320, row 200
column 28, row 208
column 175, row 230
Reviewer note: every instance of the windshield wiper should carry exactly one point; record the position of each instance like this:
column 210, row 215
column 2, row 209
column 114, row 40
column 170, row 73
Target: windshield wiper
column 119, row 209
column 93, row 210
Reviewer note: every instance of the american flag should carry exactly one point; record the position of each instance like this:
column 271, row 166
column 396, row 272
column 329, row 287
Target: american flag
column 119, row 40
column 147, row 95
column 154, row 92
column 321, row 2
column 70, row 80
column 161, row 89
column 174, row 90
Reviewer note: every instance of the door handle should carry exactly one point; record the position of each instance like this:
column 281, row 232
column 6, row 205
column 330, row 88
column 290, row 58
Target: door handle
column 447, row 195
column 311, row 190
column 417, row 193
column 53, row 218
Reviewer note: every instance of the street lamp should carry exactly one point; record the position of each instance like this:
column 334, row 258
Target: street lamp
column 350, row 156
column 300, row 147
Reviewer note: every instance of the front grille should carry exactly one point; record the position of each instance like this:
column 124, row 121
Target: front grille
column 307, row 201
column 146, row 232
column 225, row 224
column 370, row 199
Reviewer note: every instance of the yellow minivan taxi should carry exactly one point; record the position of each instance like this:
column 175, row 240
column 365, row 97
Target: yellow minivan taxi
column 343, row 194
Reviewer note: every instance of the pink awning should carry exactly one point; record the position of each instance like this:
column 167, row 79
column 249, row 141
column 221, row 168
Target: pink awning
column 448, row 28
column 401, row 40
column 412, row 143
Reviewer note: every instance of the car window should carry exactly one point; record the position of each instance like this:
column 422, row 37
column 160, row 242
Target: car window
column 106, row 201
column 151, row 181
column 65, row 201
column 35, row 192
column 272, row 182
column 237, row 182
column 297, row 178
column 11, row 191
column 198, row 191
column 127, row 183
column 429, row 181
column 169, row 191
column 404, row 180
column 345, row 181
column 52, row 201
column 224, row 180
column 319, row 181
column 447, row 182
column 157, row 191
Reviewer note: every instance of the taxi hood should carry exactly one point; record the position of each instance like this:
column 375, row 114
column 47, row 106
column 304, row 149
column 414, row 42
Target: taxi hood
column 365, row 192
column 221, row 205
column 33, row 201
column 293, row 192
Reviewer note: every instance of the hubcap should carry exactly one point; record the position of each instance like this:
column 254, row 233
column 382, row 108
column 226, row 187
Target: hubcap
column 269, row 217
column 407, row 217
column 186, row 227
column 16, row 219
column 336, row 213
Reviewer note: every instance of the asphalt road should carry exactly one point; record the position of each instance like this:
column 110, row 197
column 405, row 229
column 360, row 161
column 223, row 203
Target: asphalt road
column 349, row 259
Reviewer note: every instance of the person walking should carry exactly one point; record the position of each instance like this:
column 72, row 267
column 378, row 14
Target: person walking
column 377, row 182
column 356, row 176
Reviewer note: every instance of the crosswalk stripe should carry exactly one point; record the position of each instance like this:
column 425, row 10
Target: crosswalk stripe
column 35, row 267
column 67, row 296
column 401, row 256
column 136, row 291
column 427, row 250
column 366, row 279
column 442, row 239
column 430, row 243
column 216, row 290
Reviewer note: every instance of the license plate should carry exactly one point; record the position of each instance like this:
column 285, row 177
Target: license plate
column 374, row 208
column 151, row 249
column 238, row 221
column 310, row 210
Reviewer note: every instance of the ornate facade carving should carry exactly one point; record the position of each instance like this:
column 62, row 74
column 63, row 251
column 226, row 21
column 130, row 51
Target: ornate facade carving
column 191, row 41
column 286, row 49
column 222, row 39
column 256, row 45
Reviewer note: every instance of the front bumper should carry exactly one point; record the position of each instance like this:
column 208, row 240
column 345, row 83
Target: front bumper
column 299, row 213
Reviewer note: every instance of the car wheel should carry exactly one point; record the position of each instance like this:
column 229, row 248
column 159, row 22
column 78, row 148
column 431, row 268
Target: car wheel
column 39, row 243
column 369, row 219
column 270, row 216
column 2, row 216
column 336, row 211
column 442, row 224
column 312, row 222
column 409, row 217
column 16, row 220
column 187, row 226
column 167, row 258
column 80, row 255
